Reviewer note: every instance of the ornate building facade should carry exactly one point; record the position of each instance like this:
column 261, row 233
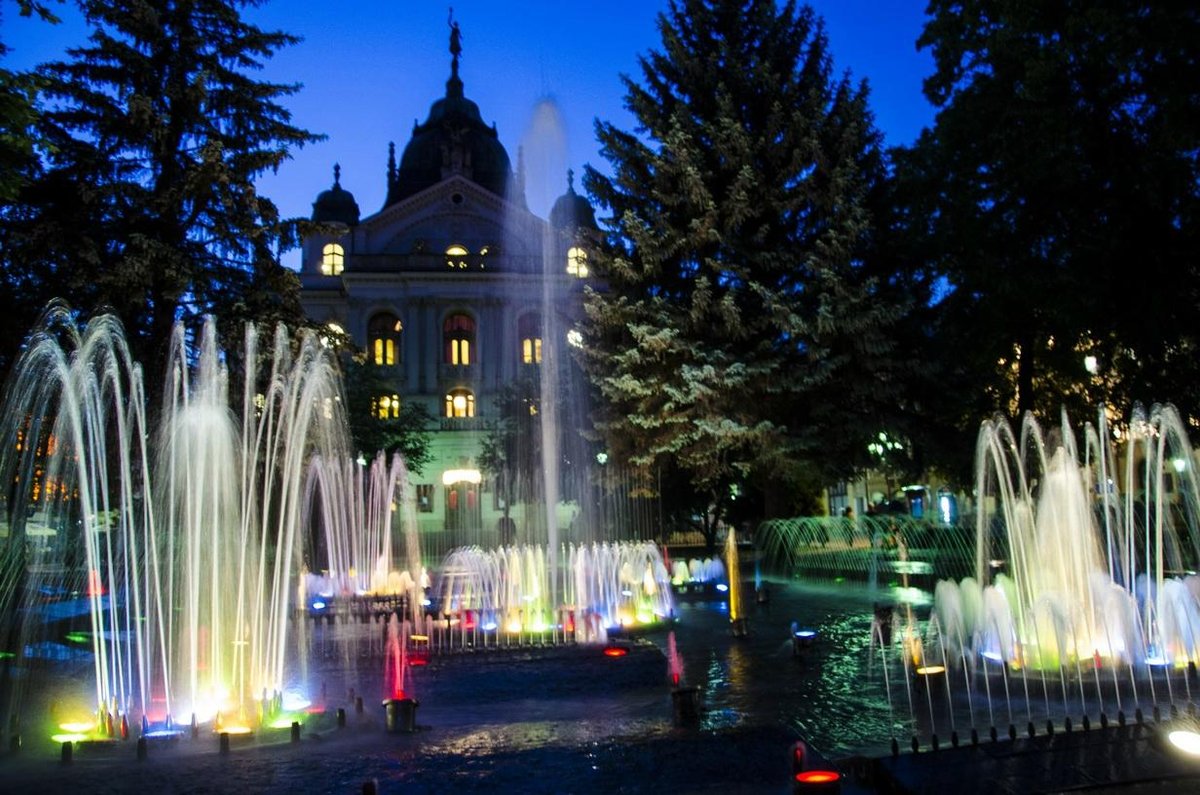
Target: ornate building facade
column 454, row 290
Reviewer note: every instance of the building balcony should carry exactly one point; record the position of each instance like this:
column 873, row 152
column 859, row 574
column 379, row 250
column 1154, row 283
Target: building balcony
column 458, row 373
column 463, row 424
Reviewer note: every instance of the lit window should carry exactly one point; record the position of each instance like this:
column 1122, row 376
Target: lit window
column 386, row 407
column 577, row 262
column 529, row 329
column 333, row 259
column 456, row 257
column 531, row 351
column 383, row 338
column 458, row 336
column 460, row 403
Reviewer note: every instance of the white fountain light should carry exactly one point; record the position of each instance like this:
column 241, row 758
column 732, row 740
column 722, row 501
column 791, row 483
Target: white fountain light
column 1185, row 740
column 452, row 476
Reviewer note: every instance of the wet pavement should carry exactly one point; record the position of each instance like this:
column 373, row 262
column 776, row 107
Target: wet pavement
column 571, row 719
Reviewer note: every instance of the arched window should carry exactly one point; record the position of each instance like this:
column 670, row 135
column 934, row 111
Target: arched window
column 383, row 339
column 333, row 259
column 460, row 403
column 529, row 329
column 385, row 407
column 458, row 335
column 456, row 257
column 577, row 262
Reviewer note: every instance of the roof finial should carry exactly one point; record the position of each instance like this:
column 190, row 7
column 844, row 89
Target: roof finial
column 337, row 175
column 570, row 180
column 455, row 43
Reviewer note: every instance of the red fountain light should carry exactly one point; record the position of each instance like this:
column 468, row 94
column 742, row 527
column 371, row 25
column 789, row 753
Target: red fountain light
column 817, row 777
column 615, row 651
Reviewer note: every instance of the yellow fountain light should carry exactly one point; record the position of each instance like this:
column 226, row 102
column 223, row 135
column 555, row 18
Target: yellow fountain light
column 514, row 626
column 283, row 722
column 78, row 726
column 930, row 670
column 68, row 738
column 239, row 730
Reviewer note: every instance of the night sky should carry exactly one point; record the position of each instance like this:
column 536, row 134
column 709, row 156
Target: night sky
column 369, row 69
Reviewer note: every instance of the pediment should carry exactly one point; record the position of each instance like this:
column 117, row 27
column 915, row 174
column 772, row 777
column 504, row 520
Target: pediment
column 455, row 210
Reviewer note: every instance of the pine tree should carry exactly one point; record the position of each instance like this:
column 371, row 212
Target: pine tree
column 742, row 324
column 375, row 429
column 156, row 132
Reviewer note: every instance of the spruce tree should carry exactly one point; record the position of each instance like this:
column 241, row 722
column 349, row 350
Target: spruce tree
column 156, row 131
column 742, row 326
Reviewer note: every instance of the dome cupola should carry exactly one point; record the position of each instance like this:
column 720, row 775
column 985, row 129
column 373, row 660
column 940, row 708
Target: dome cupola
column 572, row 211
column 452, row 140
column 336, row 205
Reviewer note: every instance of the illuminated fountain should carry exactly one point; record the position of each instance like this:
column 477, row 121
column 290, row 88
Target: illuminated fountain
column 685, row 699
column 358, row 535
column 504, row 596
column 400, row 707
column 737, row 618
column 178, row 545
column 1084, row 597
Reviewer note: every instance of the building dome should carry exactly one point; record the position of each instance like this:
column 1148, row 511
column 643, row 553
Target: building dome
column 336, row 205
column 572, row 211
column 453, row 140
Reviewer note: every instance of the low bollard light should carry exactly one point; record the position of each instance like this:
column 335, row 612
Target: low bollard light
column 401, row 715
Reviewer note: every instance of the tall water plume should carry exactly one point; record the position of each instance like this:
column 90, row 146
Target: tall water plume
column 1087, row 563
column 184, row 539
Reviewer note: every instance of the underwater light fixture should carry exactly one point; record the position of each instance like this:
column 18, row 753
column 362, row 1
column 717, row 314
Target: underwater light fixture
column 68, row 738
column 77, row 727
column 1186, row 740
column 722, row 587
column 817, row 776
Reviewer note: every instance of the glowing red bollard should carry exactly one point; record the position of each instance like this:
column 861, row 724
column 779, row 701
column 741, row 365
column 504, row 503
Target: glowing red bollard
column 809, row 774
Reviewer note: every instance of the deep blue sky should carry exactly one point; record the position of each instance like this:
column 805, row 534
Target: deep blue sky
column 370, row 68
